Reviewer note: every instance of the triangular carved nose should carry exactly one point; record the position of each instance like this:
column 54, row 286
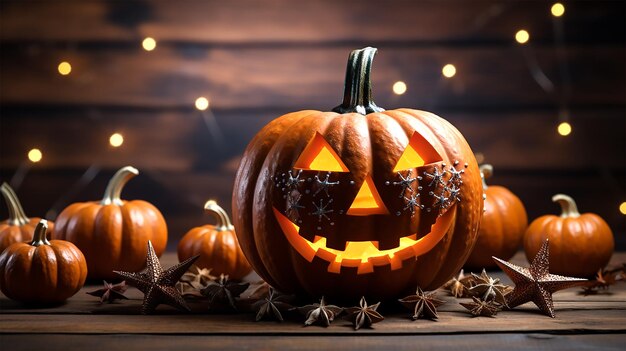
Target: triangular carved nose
column 367, row 201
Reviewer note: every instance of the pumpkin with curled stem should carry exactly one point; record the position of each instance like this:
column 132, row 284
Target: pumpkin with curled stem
column 580, row 244
column 42, row 271
column 502, row 227
column 18, row 227
column 216, row 245
column 358, row 201
column 113, row 233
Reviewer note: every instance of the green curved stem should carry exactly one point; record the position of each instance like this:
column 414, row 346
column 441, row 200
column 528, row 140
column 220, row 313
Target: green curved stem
column 223, row 222
column 486, row 171
column 116, row 184
column 39, row 237
column 568, row 206
column 16, row 212
column 357, row 96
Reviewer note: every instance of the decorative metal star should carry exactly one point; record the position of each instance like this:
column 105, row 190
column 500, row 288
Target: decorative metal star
column 110, row 292
column 158, row 285
column 436, row 177
column 411, row 203
column 423, row 304
column 224, row 290
column 535, row 283
column 324, row 184
column 321, row 211
column 405, row 183
column 364, row 315
column 320, row 313
column 482, row 308
column 455, row 175
column 487, row 288
column 271, row 306
column 293, row 181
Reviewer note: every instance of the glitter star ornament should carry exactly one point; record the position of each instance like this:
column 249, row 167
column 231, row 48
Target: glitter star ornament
column 158, row 285
column 535, row 283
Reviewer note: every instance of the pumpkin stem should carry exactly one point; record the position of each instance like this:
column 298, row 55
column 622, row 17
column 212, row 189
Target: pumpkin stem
column 116, row 184
column 16, row 212
column 568, row 206
column 39, row 237
column 357, row 95
column 223, row 222
column 486, row 171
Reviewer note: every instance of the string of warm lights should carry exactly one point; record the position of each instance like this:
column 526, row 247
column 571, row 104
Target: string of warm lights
column 448, row 71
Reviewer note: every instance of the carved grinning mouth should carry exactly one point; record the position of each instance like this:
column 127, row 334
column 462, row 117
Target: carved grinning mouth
column 364, row 255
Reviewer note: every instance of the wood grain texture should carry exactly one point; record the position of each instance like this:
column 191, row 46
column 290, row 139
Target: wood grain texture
column 304, row 78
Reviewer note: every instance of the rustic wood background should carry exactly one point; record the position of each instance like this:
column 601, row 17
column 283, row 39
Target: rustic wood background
column 256, row 60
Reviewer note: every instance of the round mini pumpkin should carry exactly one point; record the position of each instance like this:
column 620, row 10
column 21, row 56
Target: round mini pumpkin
column 216, row 244
column 18, row 228
column 580, row 244
column 502, row 227
column 113, row 233
column 42, row 271
column 358, row 201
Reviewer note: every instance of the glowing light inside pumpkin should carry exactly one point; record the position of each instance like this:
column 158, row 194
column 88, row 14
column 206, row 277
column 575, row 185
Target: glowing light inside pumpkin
column 319, row 156
column 622, row 208
column 564, row 129
column 411, row 158
column 522, row 36
column 557, row 9
column 64, row 68
column 116, row 139
column 202, row 103
column 367, row 201
column 399, row 87
column 448, row 70
column 35, row 155
column 149, row 44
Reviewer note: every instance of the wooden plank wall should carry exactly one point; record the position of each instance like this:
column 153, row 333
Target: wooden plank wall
column 256, row 60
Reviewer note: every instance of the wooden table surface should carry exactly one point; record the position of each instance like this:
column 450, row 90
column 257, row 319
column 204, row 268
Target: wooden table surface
column 582, row 322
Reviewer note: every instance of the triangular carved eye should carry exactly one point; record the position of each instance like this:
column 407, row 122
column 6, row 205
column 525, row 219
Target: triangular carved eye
column 418, row 152
column 318, row 155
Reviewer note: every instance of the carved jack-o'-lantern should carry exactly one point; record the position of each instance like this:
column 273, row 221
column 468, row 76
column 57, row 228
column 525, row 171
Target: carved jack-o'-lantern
column 359, row 201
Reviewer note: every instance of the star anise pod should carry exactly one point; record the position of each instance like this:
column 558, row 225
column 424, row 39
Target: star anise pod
column 423, row 304
column 458, row 285
column 271, row 306
column 198, row 277
column 364, row 315
column 604, row 279
column 110, row 292
column 482, row 308
column 224, row 291
column 187, row 290
column 320, row 313
column 488, row 288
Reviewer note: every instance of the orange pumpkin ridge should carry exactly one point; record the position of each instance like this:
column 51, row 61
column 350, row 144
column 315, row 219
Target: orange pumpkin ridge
column 217, row 245
column 322, row 205
column 502, row 227
column 42, row 271
column 18, row 227
column 580, row 244
column 113, row 233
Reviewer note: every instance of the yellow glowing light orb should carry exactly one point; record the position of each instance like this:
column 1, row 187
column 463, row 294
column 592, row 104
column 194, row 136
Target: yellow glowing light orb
column 35, row 155
column 448, row 70
column 116, row 140
column 149, row 44
column 522, row 36
column 64, row 68
column 564, row 129
column 202, row 103
column 622, row 208
column 557, row 9
column 399, row 87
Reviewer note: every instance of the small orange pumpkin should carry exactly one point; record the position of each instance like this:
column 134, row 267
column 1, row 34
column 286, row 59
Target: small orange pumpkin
column 18, row 228
column 580, row 244
column 217, row 245
column 113, row 233
column 42, row 271
column 502, row 226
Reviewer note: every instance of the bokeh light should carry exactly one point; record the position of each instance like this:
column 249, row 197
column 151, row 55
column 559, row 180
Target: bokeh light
column 116, row 139
column 149, row 44
column 557, row 9
column 35, row 155
column 64, row 68
column 522, row 36
column 564, row 128
column 202, row 103
column 448, row 70
column 399, row 87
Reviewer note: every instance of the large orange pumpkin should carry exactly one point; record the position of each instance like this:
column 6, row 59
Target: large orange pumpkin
column 42, row 271
column 18, row 227
column 216, row 244
column 502, row 227
column 113, row 233
column 357, row 201
column 580, row 244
